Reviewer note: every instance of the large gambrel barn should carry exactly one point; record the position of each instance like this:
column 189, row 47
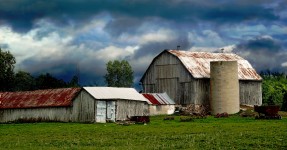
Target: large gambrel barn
column 185, row 77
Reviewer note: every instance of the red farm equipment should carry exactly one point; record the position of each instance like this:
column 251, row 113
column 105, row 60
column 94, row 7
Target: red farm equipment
column 140, row 119
column 267, row 112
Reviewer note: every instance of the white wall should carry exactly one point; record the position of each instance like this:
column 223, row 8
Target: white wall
column 161, row 109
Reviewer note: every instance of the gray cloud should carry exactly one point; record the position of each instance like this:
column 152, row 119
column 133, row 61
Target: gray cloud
column 122, row 25
column 4, row 46
column 21, row 15
column 154, row 48
column 264, row 53
column 261, row 44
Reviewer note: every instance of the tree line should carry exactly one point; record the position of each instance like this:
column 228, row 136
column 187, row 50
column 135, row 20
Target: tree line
column 119, row 74
column 24, row 81
column 274, row 89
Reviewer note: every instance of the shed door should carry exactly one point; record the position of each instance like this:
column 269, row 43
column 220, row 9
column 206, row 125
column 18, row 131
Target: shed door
column 101, row 111
column 111, row 113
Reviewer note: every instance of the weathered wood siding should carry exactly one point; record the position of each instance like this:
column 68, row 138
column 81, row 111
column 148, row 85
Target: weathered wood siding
column 168, row 74
column 196, row 91
column 84, row 106
column 37, row 114
column 201, row 91
column 82, row 110
column 129, row 108
column 250, row 92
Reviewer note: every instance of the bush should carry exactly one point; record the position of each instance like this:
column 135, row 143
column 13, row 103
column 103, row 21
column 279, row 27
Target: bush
column 274, row 89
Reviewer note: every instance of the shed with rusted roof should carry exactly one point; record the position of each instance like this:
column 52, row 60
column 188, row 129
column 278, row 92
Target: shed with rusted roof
column 160, row 103
column 39, row 105
column 88, row 104
column 185, row 77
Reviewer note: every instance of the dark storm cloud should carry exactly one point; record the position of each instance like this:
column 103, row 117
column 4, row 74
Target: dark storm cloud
column 65, row 69
column 21, row 15
column 261, row 44
column 122, row 25
column 264, row 53
column 154, row 48
column 283, row 39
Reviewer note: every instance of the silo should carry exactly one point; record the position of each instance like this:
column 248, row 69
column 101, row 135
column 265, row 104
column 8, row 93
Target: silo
column 224, row 87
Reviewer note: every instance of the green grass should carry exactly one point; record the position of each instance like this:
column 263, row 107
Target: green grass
column 212, row 133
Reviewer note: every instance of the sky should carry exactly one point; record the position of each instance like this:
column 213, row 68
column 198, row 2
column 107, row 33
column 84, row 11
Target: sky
column 57, row 37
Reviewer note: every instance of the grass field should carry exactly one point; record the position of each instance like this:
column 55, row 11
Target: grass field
column 212, row 133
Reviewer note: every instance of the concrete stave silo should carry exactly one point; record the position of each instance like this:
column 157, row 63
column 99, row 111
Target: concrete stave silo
column 224, row 87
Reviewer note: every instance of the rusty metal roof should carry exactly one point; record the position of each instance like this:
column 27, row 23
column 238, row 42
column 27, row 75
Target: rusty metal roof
column 198, row 63
column 159, row 98
column 109, row 93
column 39, row 98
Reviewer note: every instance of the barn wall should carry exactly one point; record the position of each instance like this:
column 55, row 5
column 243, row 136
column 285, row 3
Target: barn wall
column 161, row 109
column 129, row 108
column 201, row 91
column 166, row 75
column 84, row 106
column 250, row 92
column 198, row 91
column 82, row 110
column 36, row 114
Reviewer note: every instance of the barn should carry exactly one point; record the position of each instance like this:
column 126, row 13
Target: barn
column 88, row 104
column 160, row 104
column 185, row 77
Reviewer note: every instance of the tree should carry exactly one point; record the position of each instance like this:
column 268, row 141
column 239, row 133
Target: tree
column 274, row 89
column 47, row 81
column 74, row 82
column 119, row 74
column 7, row 61
column 24, row 81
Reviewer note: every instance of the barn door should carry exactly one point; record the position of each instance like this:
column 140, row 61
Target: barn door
column 101, row 111
column 111, row 113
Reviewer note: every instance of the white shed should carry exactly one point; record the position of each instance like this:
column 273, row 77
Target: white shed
column 114, row 104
